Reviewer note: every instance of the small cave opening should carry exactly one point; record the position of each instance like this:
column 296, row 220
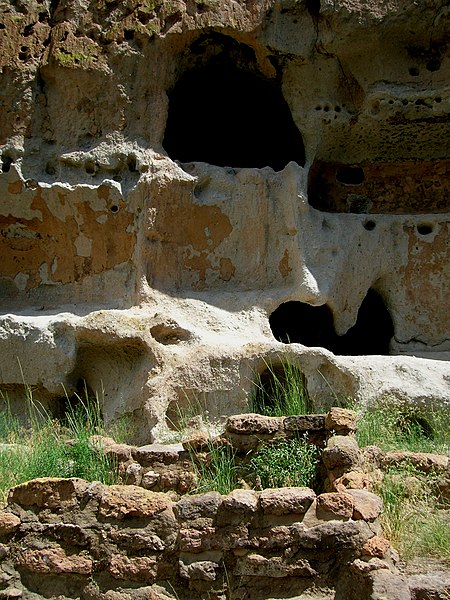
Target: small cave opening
column 298, row 322
column 231, row 117
column 350, row 175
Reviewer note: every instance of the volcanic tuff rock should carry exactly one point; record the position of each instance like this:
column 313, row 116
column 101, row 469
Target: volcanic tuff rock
column 192, row 190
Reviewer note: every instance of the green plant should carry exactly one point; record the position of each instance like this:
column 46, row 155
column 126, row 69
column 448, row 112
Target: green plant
column 218, row 471
column 281, row 390
column 48, row 449
column 394, row 425
column 412, row 518
column 291, row 462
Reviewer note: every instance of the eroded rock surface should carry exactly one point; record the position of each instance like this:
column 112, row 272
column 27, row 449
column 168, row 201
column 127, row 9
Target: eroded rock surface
column 174, row 173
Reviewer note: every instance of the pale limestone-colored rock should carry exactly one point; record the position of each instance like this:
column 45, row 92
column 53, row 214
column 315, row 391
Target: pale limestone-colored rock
column 133, row 474
column 253, row 424
column 166, row 454
column 283, row 501
column 107, row 239
column 353, row 479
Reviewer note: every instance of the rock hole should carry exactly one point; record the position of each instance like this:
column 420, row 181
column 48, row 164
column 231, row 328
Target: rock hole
column 424, row 228
column 7, row 161
column 128, row 34
column 83, row 406
column 413, row 71
column 227, row 116
column 350, row 175
column 410, row 424
column 169, row 333
column 90, row 167
column 50, row 167
column 131, row 163
column 298, row 322
column 28, row 30
column 114, row 208
column 313, row 7
column 438, row 99
column 2, row 26
column 369, row 225
column 433, row 65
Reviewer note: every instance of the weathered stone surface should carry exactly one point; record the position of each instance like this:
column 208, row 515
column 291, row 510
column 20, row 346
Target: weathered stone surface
column 127, row 261
column 47, row 492
column 137, row 568
column 8, row 523
column 334, row 505
column 302, row 423
column 241, row 501
column 255, row 565
column 420, row 460
column 385, row 584
column 204, row 570
column 202, row 507
column 432, row 586
column 366, row 506
column 55, row 560
column 124, row 502
column 253, row 424
column 283, row 501
column 157, row 453
column 376, row 546
column 353, row 479
column 342, row 452
column 341, row 420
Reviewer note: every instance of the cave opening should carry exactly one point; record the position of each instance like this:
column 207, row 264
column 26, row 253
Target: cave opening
column 298, row 322
column 231, row 117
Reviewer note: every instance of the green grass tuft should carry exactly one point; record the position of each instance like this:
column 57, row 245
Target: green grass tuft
column 218, row 472
column 285, row 463
column 48, row 449
column 413, row 519
column 281, row 391
column 397, row 426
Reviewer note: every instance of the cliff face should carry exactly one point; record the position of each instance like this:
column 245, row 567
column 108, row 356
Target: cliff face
column 183, row 180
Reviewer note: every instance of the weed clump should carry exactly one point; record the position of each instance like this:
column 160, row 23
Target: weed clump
column 413, row 518
column 218, row 471
column 285, row 463
column 281, row 391
column 394, row 425
column 48, row 448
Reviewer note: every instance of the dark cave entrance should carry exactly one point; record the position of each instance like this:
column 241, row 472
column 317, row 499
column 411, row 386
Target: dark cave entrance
column 231, row 117
column 297, row 322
